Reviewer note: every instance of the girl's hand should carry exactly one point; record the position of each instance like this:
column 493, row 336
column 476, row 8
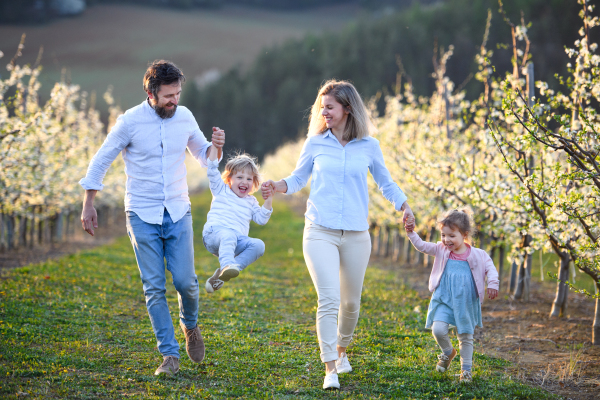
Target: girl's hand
column 218, row 137
column 267, row 190
column 409, row 224
column 492, row 293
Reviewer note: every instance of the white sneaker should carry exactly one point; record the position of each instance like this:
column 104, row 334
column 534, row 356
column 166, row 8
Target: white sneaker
column 229, row 271
column 331, row 381
column 213, row 283
column 343, row 365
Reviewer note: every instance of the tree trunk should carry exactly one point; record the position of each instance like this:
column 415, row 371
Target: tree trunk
column 513, row 277
column 2, row 245
column 375, row 241
column 10, row 231
column 386, row 241
column 559, row 306
column 596, row 326
column 500, row 265
column 405, row 250
column 519, row 287
column 395, row 245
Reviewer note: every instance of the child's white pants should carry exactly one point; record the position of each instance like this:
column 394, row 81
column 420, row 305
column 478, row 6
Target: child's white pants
column 337, row 261
column 465, row 340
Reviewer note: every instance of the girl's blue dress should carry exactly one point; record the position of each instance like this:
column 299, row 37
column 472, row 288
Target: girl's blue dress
column 455, row 299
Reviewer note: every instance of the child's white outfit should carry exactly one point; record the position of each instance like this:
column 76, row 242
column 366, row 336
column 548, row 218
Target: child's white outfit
column 225, row 233
column 456, row 299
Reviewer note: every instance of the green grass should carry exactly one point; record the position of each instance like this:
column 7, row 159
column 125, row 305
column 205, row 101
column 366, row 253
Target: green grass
column 77, row 327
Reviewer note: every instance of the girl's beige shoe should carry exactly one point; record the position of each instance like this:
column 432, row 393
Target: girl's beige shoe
column 465, row 376
column 445, row 361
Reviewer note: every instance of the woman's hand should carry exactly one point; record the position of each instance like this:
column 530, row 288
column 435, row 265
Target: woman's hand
column 492, row 293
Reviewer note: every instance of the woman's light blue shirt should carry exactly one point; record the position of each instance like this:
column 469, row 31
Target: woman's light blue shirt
column 339, row 197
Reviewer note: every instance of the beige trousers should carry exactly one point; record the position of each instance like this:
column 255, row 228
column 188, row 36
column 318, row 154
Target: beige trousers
column 337, row 261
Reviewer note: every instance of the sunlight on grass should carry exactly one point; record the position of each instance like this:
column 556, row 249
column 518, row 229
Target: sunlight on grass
column 77, row 327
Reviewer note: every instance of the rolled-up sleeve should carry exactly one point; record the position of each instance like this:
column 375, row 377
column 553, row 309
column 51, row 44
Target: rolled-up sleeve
column 390, row 190
column 115, row 142
column 298, row 179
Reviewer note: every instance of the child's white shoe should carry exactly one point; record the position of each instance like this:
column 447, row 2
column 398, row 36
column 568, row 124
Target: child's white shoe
column 331, row 381
column 214, row 283
column 342, row 364
column 228, row 272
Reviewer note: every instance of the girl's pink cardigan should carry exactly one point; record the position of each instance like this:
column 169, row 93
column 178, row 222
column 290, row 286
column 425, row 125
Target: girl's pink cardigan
column 480, row 262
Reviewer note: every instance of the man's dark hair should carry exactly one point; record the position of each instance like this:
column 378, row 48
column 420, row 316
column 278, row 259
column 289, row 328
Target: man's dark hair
column 161, row 72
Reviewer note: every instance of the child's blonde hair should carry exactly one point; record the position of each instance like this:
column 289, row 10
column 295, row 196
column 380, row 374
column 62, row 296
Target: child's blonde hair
column 461, row 219
column 358, row 124
column 239, row 163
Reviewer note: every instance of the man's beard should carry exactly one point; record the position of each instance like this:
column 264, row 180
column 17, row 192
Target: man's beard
column 164, row 112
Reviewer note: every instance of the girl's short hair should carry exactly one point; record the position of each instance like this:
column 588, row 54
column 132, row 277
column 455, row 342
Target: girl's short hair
column 461, row 219
column 358, row 124
column 239, row 163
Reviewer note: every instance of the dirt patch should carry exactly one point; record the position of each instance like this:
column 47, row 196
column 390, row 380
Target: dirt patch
column 555, row 354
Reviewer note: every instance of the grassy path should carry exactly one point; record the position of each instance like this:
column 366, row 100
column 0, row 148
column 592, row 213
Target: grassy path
column 77, row 328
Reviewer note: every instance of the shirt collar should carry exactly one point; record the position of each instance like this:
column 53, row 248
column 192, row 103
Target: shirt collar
column 330, row 134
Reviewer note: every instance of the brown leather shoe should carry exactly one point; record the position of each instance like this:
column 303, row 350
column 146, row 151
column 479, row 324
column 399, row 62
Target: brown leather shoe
column 169, row 366
column 194, row 344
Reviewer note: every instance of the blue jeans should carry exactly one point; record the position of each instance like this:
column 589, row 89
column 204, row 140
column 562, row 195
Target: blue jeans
column 153, row 245
column 231, row 247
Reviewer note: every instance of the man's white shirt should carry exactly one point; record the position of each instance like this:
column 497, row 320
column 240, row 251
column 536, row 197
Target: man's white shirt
column 154, row 153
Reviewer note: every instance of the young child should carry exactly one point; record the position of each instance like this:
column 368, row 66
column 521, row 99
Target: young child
column 225, row 233
column 457, row 281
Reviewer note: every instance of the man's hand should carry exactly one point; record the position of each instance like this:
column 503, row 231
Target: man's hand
column 218, row 137
column 89, row 216
column 492, row 293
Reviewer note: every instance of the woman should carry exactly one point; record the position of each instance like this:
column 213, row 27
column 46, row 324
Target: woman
column 337, row 155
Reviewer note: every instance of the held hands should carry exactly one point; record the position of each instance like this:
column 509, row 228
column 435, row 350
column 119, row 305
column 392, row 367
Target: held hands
column 218, row 137
column 492, row 293
column 267, row 189
column 409, row 224
column 408, row 219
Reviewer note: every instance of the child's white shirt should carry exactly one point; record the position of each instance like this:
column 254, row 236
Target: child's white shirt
column 228, row 209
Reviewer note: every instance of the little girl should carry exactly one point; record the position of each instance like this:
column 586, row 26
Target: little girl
column 457, row 281
column 225, row 233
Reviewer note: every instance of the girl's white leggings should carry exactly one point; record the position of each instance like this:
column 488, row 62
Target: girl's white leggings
column 337, row 261
column 465, row 340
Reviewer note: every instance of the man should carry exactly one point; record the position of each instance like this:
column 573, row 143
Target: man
column 153, row 137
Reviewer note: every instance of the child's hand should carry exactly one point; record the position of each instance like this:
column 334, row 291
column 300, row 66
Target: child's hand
column 409, row 224
column 218, row 137
column 492, row 293
column 267, row 190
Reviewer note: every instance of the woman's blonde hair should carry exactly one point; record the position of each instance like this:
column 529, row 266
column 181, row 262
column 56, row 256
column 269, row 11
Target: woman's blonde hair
column 239, row 163
column 461, row 219
column 358, row 124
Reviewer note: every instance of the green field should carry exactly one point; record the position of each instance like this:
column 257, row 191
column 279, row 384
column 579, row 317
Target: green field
column 77, row 328
column 112, row 44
